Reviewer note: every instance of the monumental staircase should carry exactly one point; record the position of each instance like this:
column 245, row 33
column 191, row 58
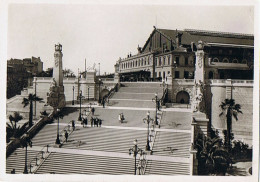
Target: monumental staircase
column 101, row 150
column 136, row 94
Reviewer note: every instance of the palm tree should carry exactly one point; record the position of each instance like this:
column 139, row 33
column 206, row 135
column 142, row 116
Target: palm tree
column 29, row 100
column 231, row 109
column 12, row 130
column 213, row 157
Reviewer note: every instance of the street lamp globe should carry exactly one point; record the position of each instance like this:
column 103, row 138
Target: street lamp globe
column 148, row 113
column 155, row 94
column 135, row 142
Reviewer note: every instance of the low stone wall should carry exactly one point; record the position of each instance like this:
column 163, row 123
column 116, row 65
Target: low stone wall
column 11, row 146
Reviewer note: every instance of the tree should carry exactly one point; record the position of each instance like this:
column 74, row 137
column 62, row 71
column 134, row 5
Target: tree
column 29, row 101
column 231, row 109
column 13, row 130
column 213, row 157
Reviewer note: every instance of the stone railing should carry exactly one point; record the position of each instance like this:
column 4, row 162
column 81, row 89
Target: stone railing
column 11, row 146
column 193, row 151
column 39, row 159
column 230, row 82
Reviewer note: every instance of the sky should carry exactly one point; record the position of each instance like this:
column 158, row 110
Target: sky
column 101, row 33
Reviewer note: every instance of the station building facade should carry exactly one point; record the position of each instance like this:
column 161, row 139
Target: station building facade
column 171, row 53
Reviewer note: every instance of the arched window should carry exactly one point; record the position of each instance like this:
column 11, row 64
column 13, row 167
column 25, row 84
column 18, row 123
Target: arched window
column 215, row 60
column 234, row 61
column 164, row 58
column 169, row 60
column 244, row 61
column 160, row 61
column 225, row 60
column 139, row 62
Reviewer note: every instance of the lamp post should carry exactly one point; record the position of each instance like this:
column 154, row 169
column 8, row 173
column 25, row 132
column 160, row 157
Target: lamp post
column 35, row 96
column 155, row 99
column 27, row 142
column 147, row 120
column 73, row 95
column 80, row 96
column 88, row 93
column 99, row 83
column 135, row 150
column 58, row 138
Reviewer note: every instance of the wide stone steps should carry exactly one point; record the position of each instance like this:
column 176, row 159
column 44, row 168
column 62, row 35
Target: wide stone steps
column 106, row 139
column 150, row 90
column 46, row 136
column 134, row 95
column 166, row 168
column 17, row 160
column 141, row 84
column 132, row 103
column 174, row 144
column 67, row 163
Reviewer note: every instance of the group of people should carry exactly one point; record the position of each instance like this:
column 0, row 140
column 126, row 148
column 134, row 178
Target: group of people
column 95, row 121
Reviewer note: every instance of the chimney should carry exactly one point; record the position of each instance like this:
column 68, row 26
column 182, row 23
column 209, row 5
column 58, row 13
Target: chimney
column 178, row 38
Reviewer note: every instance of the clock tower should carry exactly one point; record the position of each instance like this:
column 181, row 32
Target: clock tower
column 57, row 68
column 56, row 97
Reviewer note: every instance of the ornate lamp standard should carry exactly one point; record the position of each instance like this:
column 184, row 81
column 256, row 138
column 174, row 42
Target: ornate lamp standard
column 25, row 144
column 80, row 96
column 99, row 83
column 73, row 95
column 156, row 100
column 135, row 150
column 58, row 138
column 88, row 93
column 147, row 120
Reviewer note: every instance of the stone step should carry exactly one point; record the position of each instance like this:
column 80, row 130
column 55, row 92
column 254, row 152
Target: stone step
column 62, row 163
column 166, row 168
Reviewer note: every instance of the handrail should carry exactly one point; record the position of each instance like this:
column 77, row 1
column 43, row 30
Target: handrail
column 164, row 97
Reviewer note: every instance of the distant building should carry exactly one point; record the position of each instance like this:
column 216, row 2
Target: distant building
column 172, row 53
column 33, row 65
column 20, row 74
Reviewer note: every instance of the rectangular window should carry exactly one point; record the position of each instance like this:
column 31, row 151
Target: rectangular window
column 177, row 60
column 186, row 61
column 186, row 74
column 160, row 75
column 169, row 72
column 177, row 74
column 155, row 74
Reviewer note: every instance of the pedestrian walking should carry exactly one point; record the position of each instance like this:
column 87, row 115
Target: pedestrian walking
column 85, row 121
column 100, row 122
column 93, row 111
column 103, row 102
column 119, row 118
column 92, row 121
column 97, row 121
column 66, row 135
column 73, row 124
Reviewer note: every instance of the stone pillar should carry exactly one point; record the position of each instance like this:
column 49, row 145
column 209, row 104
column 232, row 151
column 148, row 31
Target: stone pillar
column 57, row 68
column 56, row 97
column 116, row 77
column 198, row 101
column 91, row 77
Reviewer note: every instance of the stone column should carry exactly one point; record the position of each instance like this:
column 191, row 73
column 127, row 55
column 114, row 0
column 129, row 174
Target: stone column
column 198, row 101
column 56, row 97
